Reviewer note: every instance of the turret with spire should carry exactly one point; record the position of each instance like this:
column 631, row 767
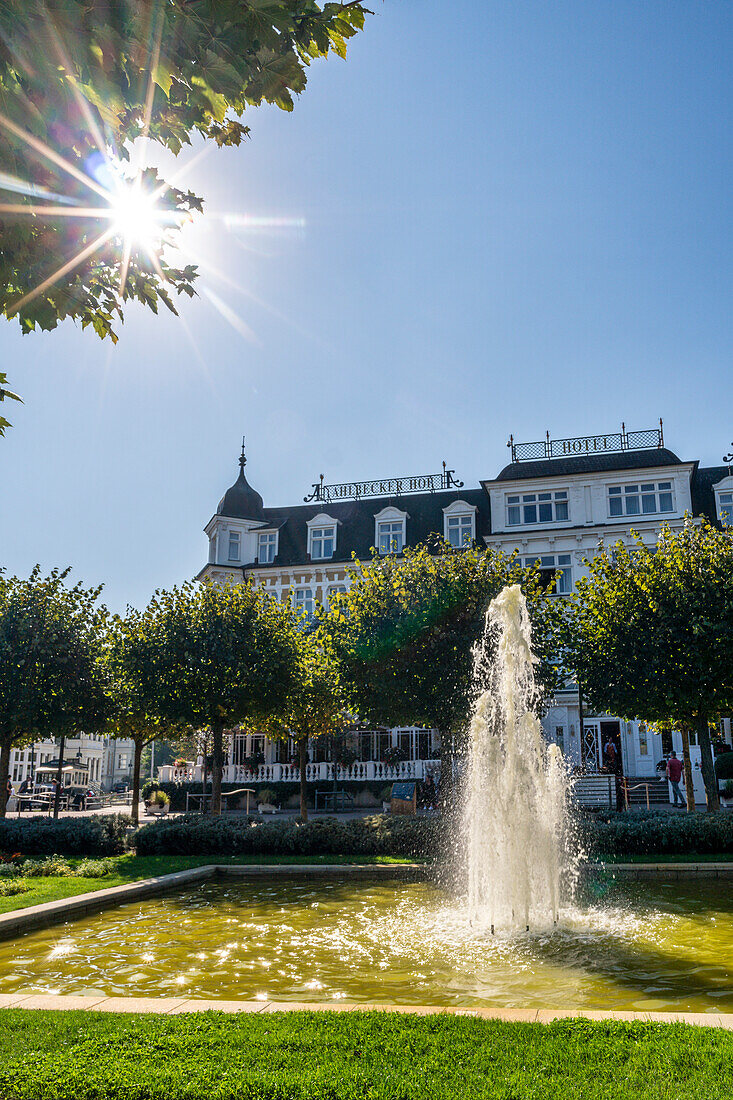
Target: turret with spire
column 241, row 501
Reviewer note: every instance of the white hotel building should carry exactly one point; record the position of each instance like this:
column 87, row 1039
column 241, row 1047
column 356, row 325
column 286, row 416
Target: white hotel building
column 553, row 502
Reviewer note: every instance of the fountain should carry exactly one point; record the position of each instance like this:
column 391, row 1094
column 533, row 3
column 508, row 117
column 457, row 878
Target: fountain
column 516, row 806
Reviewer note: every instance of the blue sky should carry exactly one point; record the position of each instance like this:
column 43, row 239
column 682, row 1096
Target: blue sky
column 516, row 217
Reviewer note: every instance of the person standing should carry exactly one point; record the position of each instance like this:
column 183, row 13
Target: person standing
column 674, row 774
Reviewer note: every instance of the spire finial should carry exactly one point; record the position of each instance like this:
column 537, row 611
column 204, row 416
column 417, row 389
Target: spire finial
column 242, row 457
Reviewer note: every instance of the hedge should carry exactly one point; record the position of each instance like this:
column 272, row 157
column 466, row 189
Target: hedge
column 724, row 765
column 413, row 837
column 104, row 835
column 656, row 833
column 601, row 836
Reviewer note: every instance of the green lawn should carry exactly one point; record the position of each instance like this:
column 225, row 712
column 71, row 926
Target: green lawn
column 354, row 1056
column 128, row 868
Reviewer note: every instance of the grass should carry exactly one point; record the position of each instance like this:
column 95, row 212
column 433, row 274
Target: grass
column 129, row 868
column 354, row 1056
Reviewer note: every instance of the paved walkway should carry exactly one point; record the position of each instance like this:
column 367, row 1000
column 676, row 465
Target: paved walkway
column 174, row 1006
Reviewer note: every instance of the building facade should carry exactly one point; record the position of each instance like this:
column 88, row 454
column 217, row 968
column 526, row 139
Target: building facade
column 109, row 760
column 553, row 503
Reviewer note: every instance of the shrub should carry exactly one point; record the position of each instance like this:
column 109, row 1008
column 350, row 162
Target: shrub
column 54, row 866
column 148, row 788
column 9, row 887
column 9, row 870
column 158, row 798
column 410, row 837
column 266, row 794
column 656, row 833
column 95, row 868
column 724, row 765
column 86, row 836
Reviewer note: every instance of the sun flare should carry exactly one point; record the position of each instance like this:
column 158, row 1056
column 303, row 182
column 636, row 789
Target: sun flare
column 137, row 218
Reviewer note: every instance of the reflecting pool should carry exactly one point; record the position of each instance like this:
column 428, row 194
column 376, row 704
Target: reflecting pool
column 649, row 946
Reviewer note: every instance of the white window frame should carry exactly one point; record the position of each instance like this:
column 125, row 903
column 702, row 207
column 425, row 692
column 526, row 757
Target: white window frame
column 724, row 500
column 556, row 561
column 643, row 493
column 454, row 518
column 321, row 522
column 520, row 506
column 234, row 537
column 336, row 589
column 396, row 535
column 304, row 599
column 272, row 541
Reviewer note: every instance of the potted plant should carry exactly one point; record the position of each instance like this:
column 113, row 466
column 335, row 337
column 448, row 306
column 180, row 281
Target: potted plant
column 726, row 795
column 158, row 803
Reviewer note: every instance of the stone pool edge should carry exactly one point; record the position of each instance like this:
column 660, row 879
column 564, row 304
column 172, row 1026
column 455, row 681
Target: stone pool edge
column 174, row 1006
column 56, row 912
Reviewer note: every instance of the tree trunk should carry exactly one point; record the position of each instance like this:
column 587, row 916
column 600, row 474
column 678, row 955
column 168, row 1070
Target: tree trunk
column 687, row 764
column 135, row 816
column 217, row 767
column 4, row 773
column 303, row 766
column 59, row 776
column 706, row 763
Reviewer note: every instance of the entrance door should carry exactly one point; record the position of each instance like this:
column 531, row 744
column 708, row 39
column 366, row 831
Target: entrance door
column 591, row 746
column 611, row 735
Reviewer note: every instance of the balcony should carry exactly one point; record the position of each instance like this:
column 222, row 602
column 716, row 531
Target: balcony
column 372, row 770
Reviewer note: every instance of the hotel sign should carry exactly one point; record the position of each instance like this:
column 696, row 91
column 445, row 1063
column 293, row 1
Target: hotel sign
column 587, row 444
column 386, row 487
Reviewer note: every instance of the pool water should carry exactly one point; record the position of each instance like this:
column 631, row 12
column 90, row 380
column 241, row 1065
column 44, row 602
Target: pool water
column 649, row 946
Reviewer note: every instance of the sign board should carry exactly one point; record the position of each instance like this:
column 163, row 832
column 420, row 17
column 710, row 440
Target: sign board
column 404, row 798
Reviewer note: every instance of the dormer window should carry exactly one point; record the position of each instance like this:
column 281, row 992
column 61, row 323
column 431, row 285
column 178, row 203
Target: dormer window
column 389, row 531
column 529, row 508
column 234, row 551
column 266, row 547
column 323, row 543
column 459, row 524
column 322, row 537
column 391, row 537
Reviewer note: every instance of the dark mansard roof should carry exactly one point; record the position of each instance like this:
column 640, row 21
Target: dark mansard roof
column 355, row 522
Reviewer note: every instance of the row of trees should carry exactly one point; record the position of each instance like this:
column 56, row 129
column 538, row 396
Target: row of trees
column 648, row 633
column 197, row 657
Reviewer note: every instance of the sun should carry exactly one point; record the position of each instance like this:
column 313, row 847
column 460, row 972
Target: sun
column 136, row 217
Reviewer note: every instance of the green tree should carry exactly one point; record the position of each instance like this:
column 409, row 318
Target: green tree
column 220, row 657
column 651, row 631
column 51, row 675
column 313, row 707
column 133, row 689
column 80, row 82
column 6, row 395
column 404, row 635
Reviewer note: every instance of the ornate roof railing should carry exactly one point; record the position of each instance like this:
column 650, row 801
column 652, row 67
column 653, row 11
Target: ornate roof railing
column 624, row 440
column 384, row 487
